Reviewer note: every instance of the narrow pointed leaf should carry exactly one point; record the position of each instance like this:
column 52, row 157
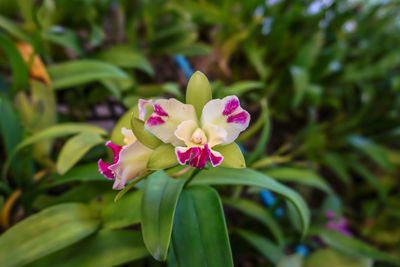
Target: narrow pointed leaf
column 74, row 149
column 74, row 73
column 225, row 176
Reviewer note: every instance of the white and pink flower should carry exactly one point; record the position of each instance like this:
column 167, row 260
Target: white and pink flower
column 221, row 121
column 129, row 160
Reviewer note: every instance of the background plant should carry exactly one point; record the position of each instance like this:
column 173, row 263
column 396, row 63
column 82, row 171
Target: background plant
column 319, row 77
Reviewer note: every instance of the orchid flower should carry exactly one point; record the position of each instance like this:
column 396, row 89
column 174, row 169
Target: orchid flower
column 129, row 161
column 221, row 121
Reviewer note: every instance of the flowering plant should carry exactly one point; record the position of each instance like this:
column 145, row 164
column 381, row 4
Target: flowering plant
column 202, row 130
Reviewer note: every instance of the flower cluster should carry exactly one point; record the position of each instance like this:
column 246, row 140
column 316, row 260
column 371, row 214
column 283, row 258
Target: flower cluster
column 194, row 137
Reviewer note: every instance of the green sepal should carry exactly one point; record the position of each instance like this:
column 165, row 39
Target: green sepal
column 233, row 157
column 198, row 92
column 142, row 135
column 163, row 157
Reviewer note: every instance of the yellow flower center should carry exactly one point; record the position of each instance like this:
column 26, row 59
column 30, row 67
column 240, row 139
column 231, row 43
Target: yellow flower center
column 199, row 137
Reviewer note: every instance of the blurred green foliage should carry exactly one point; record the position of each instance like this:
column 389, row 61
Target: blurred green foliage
column 320, row 78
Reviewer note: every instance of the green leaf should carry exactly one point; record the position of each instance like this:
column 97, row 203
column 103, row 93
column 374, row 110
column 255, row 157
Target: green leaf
column 225, row 176
column 198, row 92
column 143, row 135
column 45, row 232
column 297, row 175
column 233, row 157
column 259, row 149
column 160, row 197
column 264, row 246
column 75, row 148
column 78, row 72
column 199, row 234
column 294, row 260
column 52, row 132
column 369, row 177
column 122, row 213
column 82, row 173
column 322, row 256
column 242, row 87
column 338, row 165
column 10, row 128
column 377, row 153
column 105, row 248
column 126, row 57
column 259, row 213
column 14, row 29
column 18, row 67
column 163, row 157
column 354, row 247
column 66, row 38
column 300, row 79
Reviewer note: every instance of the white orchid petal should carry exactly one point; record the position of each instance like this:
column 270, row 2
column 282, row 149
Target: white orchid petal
column 216, row 134
column 227, row 114
column 132, row 163
column 166, row 117
column 129, row 137
column 142, row 107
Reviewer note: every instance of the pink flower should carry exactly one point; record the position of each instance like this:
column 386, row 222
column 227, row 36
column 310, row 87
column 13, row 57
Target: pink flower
column 129, row 161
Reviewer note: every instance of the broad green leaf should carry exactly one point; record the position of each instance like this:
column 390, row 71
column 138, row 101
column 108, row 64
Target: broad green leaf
column 353, row 246
column 377, row 153
column 198, row 92
column 163, row 157
column 75, row 148
column 46, row 232
column 18, row 67
column 79, row 72
column 300, row 79
column 233, row 157
column 259, row 213
column 62, row 129
column 14, row 29
column 160, row 196
column 225, row 176
column 122, row 213
column 144, row 137
column 264, row 246
column 199, row 234
column 297, row 175
column 105, row 248
column 322, row 256
column 126, row 57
